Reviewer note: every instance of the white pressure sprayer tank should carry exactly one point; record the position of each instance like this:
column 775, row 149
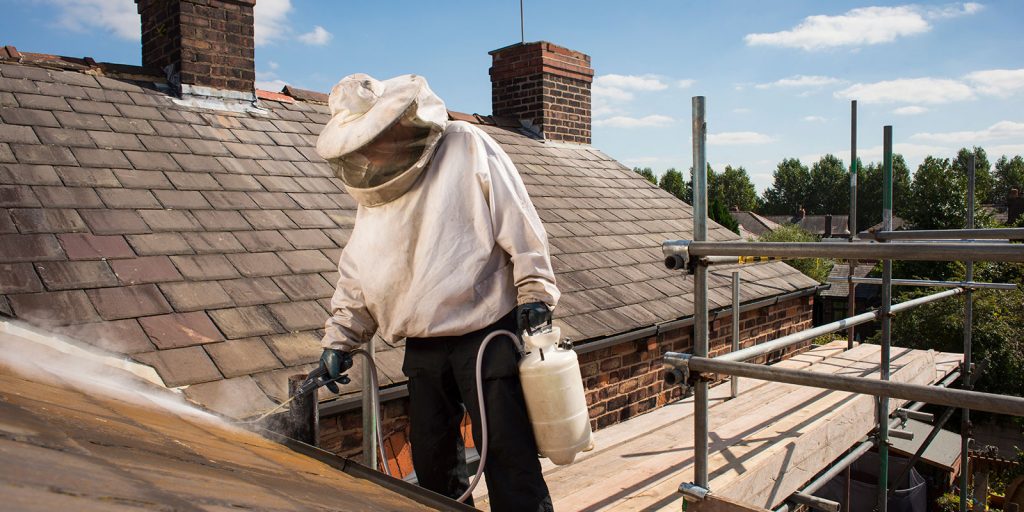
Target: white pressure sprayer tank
column 553, row 388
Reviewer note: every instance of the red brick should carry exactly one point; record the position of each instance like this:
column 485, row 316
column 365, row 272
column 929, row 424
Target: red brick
column 181, row 366
column 196, row 296
column 245, row 322
column 242, row 357
column 19, row 278
column 120, row 336
column 299, row 316
column 129, row 301
column 67, row 275
column 48, row 220
column 54, row 308
column 17, row 248
column 204, row 267
column 114, row 222
column 91, row 247
column 145, row 269
column 180, row 330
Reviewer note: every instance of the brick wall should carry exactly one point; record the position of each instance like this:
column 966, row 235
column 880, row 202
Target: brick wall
column 620, row 382
column 210, row 42
column 545, row 84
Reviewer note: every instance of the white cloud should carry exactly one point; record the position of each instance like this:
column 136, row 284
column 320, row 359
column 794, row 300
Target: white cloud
column 815, row 119
column 800, row 81
column 997, row 82
column 685, row 83
column 911, row 110
column 318, row 37
column 118, row 16
column 999, row 131
column 271, row 20
column 738, row 138
column 908, row 90
column 631, row 82
column 635, row 122
column 860, row 26
column 611, row 92
column 273, row 65
column 741, row 110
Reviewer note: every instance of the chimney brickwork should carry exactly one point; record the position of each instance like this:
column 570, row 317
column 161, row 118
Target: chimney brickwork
column 210, row 43
column 545, row 84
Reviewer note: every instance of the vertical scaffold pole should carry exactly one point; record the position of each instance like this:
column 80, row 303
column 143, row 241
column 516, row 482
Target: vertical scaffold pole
column 700, row 328
column 851, row 300
column 965, row 417
column 734, row 384
column 883, row 402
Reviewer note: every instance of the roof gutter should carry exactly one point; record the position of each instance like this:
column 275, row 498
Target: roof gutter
column 354, row 402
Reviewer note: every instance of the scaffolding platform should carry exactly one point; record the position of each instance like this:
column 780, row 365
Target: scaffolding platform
column 764, row 444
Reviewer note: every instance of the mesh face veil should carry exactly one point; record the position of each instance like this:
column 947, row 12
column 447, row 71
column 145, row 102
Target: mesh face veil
column 386, row 167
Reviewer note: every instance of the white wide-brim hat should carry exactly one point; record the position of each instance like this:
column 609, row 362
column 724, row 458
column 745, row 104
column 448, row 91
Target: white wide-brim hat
column 363, row 107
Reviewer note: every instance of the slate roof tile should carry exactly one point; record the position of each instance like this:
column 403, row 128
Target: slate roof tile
column 268, row 219
column 142, row 179
column 253, row 291
column 88, row 106
column 229, row 200
column 259, row 241
column 42, row 154
column 245, row 322
column 121, row 125
column 145, row 269
column 155, row 244
column 128, row 301
column 170, row 220
column 28, row 117
column 213, row 242
column 180, row 329
column 239, row 397
column 198, row 163
column 149, row 161
column 299, row 316
column 304, row 286
column 258, row 264
column 82, row 121
column 163, row 144
column 114, row 222
column 307, row 261
column 194, row 296
column 119, row 336
column 127, row 198
column 242, row 357
column 273, row 200
column 19, row 278
column 89, row 247
column 54, row 308
column 295, row 348
column 206, row 267
column 182, row 366
column 17, row 196
column 71, row 275
column 87, row 177
column 18, row 134
column 238, row 182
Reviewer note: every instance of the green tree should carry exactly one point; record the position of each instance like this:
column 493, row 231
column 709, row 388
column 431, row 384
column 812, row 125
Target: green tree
column 733, row 187
column 791, row 182
column 815, row 268
column 720, row 214
column 647, row 173
column 674, row 183
column 829, row 190
column 1009, row 174
column 983, row 182
column 936, row 196
column 869, row 192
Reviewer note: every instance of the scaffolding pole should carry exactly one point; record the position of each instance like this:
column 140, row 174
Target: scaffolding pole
column 886, row 317
column 851, row 300
column 927, row 283
column 734, row 384
column 689, row 250
column 953, row 234
column 700, row 329
column 965, row 417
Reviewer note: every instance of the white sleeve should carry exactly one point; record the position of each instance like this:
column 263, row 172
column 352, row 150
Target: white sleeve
column 350, row 324
column 517, row 228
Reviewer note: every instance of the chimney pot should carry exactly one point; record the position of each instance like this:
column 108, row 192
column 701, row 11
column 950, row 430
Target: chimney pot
column 546, row 86
column 205, row 43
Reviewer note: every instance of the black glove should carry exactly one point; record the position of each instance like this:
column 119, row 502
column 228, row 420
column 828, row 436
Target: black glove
column 530, row 317
column 334, row 363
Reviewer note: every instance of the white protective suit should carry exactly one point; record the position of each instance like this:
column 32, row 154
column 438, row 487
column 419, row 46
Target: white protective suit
column 459, row 249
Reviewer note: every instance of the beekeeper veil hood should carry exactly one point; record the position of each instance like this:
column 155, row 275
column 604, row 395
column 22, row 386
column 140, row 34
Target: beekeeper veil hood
column 381, row 134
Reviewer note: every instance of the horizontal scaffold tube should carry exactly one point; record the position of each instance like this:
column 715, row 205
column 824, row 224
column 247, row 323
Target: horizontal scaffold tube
column 839, row 325
column 939, row 251
column 926, row 283
column 951, row 234
column 999, row 404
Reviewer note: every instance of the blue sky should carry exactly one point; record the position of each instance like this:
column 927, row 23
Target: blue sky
column 778, row 76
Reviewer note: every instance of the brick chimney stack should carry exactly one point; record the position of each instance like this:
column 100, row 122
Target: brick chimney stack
column 545, row 85
column 207, row 43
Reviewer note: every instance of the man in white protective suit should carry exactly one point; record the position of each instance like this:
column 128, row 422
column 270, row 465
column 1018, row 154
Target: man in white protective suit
column 447, row 248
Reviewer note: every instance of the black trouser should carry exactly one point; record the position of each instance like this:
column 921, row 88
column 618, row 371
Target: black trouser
column 442, row 385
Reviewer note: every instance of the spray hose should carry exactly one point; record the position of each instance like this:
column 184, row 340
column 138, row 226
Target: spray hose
column 375, row 394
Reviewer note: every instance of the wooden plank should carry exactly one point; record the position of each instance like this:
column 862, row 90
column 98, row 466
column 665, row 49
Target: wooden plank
column 625, row 471
column 716, row 503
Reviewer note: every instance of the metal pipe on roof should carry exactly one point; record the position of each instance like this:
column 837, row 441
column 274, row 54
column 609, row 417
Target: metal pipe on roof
column 838, row 325
column 953, row 234
column 370, row 409
column 999, row 404
column 700, row 292
column 734, row 382
column 938, row 251
column 928, row 283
